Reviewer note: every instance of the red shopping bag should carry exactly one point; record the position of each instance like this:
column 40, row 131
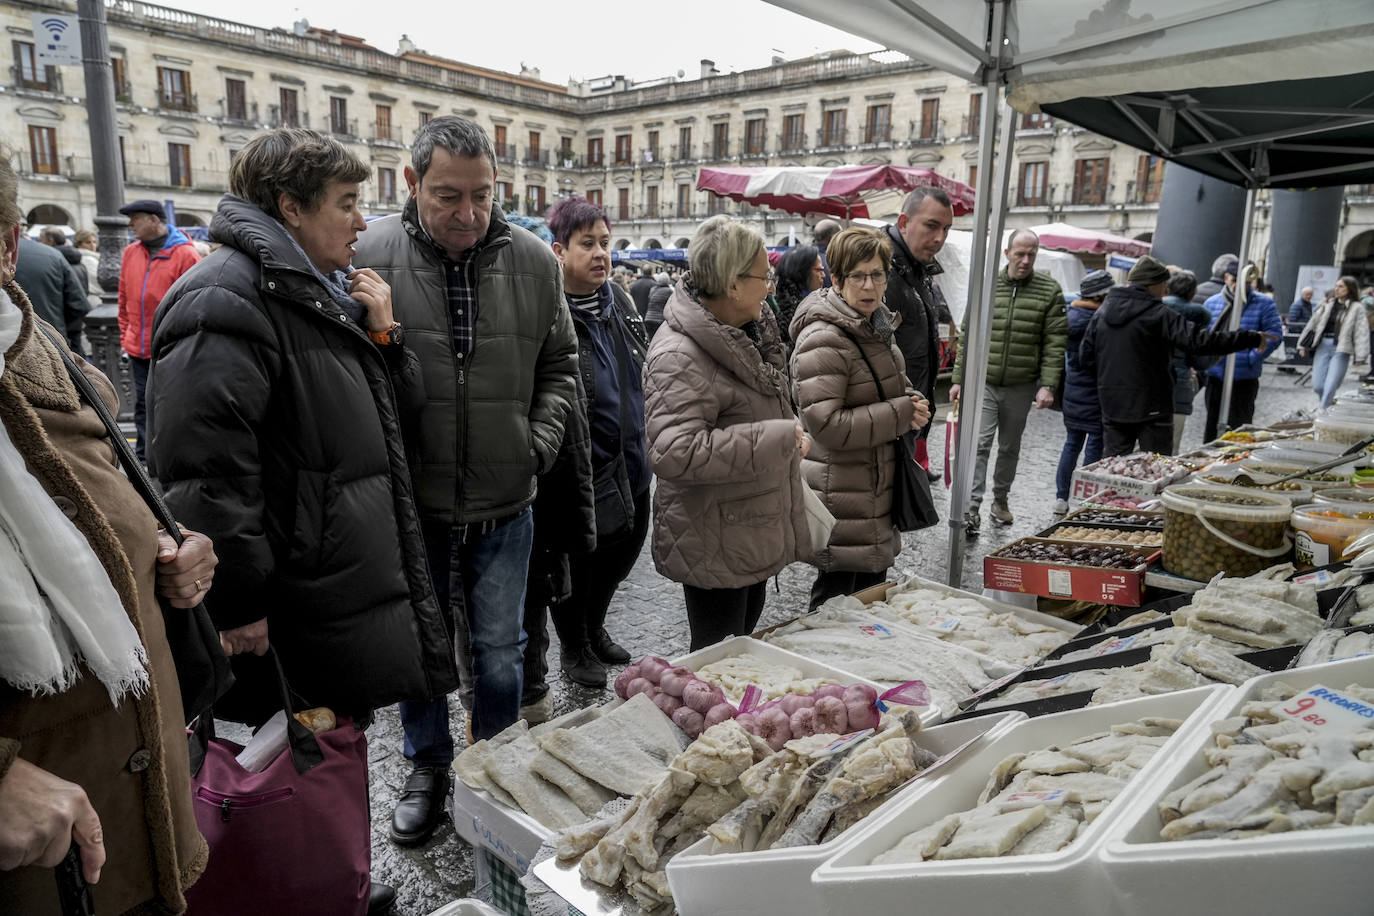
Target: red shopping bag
column 951, row 443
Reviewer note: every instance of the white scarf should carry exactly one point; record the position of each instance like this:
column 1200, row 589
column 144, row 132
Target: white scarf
column 57, row 606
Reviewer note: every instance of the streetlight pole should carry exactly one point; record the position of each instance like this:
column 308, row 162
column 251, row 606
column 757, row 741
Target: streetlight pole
column 105, row 166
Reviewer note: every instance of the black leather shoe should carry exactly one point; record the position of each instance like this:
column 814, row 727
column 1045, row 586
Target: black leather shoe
column 421, row 806
column 380, row 899
column 606, row 651
column 582, row 667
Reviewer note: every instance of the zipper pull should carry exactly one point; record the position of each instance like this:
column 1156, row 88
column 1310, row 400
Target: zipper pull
column 224, row 810
column 462, row 376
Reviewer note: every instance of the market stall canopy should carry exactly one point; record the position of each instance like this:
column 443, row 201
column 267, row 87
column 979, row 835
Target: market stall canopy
column 837, row 191
column 1255, row 92
column 1063, row 237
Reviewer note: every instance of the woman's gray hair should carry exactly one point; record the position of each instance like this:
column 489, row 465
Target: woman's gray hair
column 294, row 161
column 10, row 214
column 722, row 250
column 459, row 136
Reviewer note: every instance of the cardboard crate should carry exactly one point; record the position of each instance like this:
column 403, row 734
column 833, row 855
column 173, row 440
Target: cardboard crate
column 1082, row 583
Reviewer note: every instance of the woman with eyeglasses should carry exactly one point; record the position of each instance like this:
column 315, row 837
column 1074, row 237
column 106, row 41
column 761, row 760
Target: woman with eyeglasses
column 843, row 337
column 723, row 440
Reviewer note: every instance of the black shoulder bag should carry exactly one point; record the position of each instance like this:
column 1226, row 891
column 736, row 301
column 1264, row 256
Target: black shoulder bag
column 912, row 505
column 615, row 504
column 203, row 671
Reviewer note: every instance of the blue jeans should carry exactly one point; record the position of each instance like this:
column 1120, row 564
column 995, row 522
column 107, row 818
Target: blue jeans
column 1074, row 442
column 1328, row 371
column 481, row 585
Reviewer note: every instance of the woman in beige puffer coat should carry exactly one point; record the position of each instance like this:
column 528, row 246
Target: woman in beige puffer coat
column 723, row 440
column 851, row 464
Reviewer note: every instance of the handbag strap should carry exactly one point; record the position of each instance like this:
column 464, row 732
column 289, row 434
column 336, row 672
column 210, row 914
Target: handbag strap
column 882, row 395
column 135, row 472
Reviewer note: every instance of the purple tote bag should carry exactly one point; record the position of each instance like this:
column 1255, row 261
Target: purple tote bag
column 294, row 838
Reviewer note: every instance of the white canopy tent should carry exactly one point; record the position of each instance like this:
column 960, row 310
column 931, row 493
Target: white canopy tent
column 1046, row 52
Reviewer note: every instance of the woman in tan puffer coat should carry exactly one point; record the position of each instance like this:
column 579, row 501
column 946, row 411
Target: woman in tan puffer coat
column 851, row 465
column 723, row 440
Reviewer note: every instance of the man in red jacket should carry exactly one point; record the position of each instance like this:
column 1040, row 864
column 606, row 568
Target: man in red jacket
column 152, row 263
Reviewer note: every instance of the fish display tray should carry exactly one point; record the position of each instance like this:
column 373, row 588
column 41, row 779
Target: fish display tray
column 1314, row 871
column 1068, row 881
column 778, row 880
column 880, row 593
column 1057, row 580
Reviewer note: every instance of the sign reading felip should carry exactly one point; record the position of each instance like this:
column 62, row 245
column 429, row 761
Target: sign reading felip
column 56, row 40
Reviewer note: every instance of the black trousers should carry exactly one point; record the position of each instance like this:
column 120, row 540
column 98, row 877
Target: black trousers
column 595, row 577
column 714, row 614
column 1243, row 391
column 841, row 582
column 1121, row 438
column 138, row 369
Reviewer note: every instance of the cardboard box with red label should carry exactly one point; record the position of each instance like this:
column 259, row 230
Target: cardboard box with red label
column 1081, row 583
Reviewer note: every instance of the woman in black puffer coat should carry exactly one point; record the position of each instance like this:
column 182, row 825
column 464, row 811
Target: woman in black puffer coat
column 275, row 426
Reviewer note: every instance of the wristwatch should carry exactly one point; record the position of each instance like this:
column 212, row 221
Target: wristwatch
column 393, row 336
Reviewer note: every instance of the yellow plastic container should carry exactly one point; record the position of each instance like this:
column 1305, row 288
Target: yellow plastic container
column 1324, row 531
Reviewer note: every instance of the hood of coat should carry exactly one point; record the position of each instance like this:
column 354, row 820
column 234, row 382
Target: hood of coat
column 761, row 366
column 1089, row 304
column 829, row 306
column 246, row 228
column 904, row 261
column 1125, row 304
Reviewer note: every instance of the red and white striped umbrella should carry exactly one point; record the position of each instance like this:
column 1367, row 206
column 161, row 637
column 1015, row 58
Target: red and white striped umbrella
column 1063, row 237
column 838, row 191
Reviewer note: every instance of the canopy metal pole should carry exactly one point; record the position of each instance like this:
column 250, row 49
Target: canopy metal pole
column 1237, row 306
column 989, row 205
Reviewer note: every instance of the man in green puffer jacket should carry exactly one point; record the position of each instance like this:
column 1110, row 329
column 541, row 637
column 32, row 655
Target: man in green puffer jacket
column 1030, row 330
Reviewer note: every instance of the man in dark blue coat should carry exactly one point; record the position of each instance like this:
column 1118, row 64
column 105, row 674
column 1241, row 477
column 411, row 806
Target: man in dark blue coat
column 1082, row 413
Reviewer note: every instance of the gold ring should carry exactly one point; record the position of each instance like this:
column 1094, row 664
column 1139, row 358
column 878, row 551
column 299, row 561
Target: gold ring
column 199, row 587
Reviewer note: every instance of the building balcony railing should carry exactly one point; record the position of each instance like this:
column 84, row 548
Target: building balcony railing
column 1361, row 192
column 123, row 92
column 877, row 134
column 177, row 101
column 505, row 152
column 594, row 161
column 970, row 126
column 623, row 159
column 927, row 133
column 756, row 148
column 715, row 151
column 829, row 139
column 568, row 160
column 791, row 142
column 537, row 157
column 682, row 153
column 43, row 79
column 650, row 154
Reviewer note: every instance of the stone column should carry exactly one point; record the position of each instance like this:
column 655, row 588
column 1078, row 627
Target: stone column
column 1200, row 217
column 1302, row 231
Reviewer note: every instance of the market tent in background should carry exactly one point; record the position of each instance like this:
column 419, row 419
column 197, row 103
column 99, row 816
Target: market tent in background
column 844, row 191
column 1298, row 72
column 955, row 261
column 1063, row 237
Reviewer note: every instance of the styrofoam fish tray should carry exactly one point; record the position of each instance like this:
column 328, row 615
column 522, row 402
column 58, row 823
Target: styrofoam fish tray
column 879, row 593
column 1067, row 881
column 778, row 880
column 1316, row 871
column 467, row 906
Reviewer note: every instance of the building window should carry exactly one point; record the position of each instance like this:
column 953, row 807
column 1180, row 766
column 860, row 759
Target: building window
column 565, row 151
column 623, row 149
column 1035, row 121
column 384, row 122
column 174, row 89
column 878, row 126
column 235, row 100
column 30, row 75
column 290, row 114
column 532, row 152
column 684, row 143
column 338, row 114
column 793, row 132
column 623, row 203
column 43, row 150
column 754, row 138
column 595, row 151
column 1033, row 180
column 684, row 201
column 1090, row 181
column 715, row 205
column 179, row 159
column 505, row 195
column 386, row 186
column 504, row 150
column 1149, row 179
column 973, row 126
column 424, row 117
column 832, row 134
column 594, row 197
column 651, row 200
column 651, row 151
column 534, row 199
column 973, row 176
column 720, row 140
column 123, row 92
column 930, row 119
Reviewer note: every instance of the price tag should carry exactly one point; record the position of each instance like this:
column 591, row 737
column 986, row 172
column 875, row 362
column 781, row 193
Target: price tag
column 1120, row 644
column 1319, row 578
column 989, row 688
column 944, row 624
column 1327, row 710
column 1056, row 681
column 842, row 742
column 1018, row 800
column 876, row 630
column 1060, row 582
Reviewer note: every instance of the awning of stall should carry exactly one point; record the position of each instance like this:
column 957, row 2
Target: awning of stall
column 1076, row 240
column 839, row 191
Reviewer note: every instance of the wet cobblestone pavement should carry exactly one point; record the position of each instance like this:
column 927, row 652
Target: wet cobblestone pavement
column 648, row 617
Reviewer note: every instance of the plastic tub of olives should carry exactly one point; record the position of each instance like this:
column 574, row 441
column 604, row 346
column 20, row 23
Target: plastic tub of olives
column 1210, row 529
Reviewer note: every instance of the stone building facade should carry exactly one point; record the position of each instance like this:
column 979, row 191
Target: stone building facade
column 192, row 89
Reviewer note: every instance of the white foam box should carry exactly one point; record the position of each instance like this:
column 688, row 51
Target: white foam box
column 467, row 906
column 1067, row 881
column 880, row 593
column 778, row 880
column 1311, row 871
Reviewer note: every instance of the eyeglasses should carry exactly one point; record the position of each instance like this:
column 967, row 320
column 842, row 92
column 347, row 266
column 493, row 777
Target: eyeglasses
column 877, row 278
column 771, row 278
